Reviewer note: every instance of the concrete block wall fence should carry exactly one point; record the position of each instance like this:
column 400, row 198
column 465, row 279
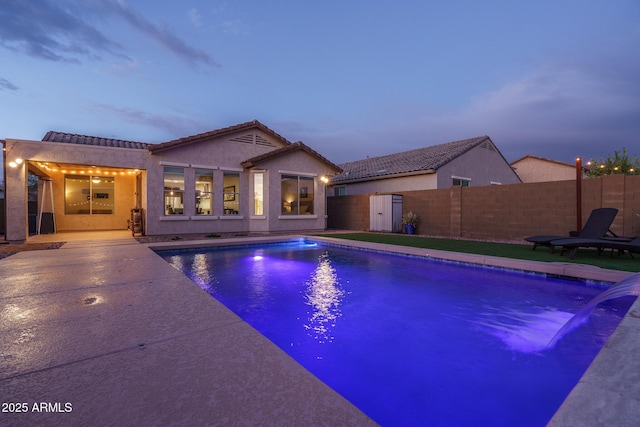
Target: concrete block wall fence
column 503, row 212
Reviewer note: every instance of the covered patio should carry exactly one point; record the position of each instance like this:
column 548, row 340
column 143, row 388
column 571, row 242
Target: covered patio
column 54, row 186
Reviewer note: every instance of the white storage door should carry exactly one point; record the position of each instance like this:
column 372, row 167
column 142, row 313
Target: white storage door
column 377, row 214
column 385, row 213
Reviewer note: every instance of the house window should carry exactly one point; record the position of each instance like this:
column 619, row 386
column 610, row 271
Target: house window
column 231, row 195
column 204, row 191
column 258, row 193
column 89, row 195
column 461, row 182
column 173, row 191
column 340, row 191
column 297, row 195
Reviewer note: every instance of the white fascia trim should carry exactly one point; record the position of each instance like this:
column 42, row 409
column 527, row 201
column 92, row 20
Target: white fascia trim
column 205, row 167
column 297, row 173
column 226, row 169
column 298, row 217
column 203, row 217
column 181, row 165
column 232, row 217
column 460, row 177
column 174, row 218
column 496, row 183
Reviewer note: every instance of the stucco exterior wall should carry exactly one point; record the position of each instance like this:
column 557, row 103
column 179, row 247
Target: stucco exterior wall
column 538, row 170
column 224, row 154
column 482, row 165
column 39, row 151
column 219, row 155
column 392, row 185
column 296, row 164
column 16, row 203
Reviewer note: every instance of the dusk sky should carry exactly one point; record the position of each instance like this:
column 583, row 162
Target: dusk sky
column 351, row 79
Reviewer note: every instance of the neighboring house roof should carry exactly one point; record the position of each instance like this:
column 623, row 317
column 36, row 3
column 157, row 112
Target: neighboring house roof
column 531, row 156
column 217, row 133
column 296, row 146
column 421, row 160
column 71, row 138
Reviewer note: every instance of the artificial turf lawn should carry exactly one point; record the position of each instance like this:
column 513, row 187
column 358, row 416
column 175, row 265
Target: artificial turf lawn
column 505, row 250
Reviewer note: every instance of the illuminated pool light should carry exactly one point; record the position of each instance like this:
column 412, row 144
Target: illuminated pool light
column 258, row 257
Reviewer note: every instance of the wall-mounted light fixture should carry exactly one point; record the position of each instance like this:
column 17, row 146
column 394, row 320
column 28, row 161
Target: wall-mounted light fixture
column 16, row 162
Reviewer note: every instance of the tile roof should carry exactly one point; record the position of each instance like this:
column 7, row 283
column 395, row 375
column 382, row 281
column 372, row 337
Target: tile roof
column 421, row 160
column 70, row 138
column 250, row 163
column 216, row 133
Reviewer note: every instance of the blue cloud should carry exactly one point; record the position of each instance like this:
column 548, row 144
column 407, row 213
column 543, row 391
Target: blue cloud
column 7, row 85
column 46, row 30
column 161, row 34
column 65, row 31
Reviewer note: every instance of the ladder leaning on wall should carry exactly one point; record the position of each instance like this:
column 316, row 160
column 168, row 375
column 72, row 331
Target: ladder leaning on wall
column 46, row 220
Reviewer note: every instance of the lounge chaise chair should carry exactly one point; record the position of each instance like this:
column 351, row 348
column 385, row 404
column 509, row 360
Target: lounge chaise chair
column 621, row 244
column 597, row 226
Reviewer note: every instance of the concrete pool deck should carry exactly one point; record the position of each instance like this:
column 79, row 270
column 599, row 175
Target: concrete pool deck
column 105, row 325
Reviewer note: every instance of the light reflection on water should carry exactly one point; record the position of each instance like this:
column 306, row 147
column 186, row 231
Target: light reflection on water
column 257, row 290
column 324, row 295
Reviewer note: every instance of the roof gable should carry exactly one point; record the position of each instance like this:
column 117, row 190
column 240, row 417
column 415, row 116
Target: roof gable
column 540, row 159
column 70, row 138
column 296, row 146
column 421, row 160
column 239, row 129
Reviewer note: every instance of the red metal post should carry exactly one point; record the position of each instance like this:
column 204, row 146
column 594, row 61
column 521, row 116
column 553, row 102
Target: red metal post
column 578, row 194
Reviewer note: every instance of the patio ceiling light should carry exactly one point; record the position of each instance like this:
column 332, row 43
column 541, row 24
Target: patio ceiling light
column 103, row 171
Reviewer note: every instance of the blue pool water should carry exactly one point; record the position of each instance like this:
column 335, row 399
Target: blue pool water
column 412, row 341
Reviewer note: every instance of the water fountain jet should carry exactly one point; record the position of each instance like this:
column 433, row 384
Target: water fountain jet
column 628, row 286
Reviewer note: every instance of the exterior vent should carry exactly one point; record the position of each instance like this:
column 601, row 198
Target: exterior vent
column 246, row 139
column 262, row 141
column 253, row 138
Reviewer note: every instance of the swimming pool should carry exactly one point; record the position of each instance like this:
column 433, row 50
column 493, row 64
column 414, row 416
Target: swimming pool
column 412, row 341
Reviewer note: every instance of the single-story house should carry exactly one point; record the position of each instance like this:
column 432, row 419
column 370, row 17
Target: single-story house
column 469, row 162
column 538, row 169
column 243, row 178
